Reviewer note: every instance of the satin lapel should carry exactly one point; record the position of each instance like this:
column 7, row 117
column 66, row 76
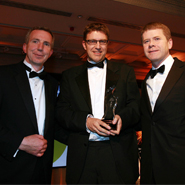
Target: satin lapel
column 48, row 99
column 111, row 80
column 24, row 87
column 112, row 77
column 145, row 96
column 171, row 79
column 83, row 84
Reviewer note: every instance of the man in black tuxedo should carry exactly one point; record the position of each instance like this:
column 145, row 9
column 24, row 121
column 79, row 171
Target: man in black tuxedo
column 162, row 110
column 98, row 154
column 27, row 126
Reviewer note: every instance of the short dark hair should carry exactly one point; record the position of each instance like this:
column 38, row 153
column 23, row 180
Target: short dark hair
column 95, row 27
column 39, row 28
column 157, row 25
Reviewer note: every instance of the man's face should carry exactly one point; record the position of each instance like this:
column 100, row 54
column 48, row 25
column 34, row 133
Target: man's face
column 156, row 46
column 97, row 51
column 38, row 49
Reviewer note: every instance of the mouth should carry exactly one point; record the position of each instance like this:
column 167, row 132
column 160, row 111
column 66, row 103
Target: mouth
column 97, row 52
column 153, row 51
column 38, row 55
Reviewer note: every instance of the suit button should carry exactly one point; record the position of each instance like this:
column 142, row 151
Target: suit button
column 85, row 144
column 153, row 123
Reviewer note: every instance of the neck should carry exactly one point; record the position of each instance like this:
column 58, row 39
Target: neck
column 93, row 62
column 156, row 64
column 36, row 67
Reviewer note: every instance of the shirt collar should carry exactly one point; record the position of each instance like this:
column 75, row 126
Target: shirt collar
column 30, row 66
column 92, row 62
column 168, row 62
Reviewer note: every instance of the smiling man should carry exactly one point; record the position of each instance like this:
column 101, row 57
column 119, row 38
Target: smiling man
column 97, row 153
column 162, row 110
column 38, row 48
column 27, row 124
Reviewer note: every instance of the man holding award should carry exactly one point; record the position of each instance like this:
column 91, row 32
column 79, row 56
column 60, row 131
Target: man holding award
column 98, row 103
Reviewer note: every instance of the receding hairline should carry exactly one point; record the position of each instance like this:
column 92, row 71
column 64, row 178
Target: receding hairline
column 39, row 28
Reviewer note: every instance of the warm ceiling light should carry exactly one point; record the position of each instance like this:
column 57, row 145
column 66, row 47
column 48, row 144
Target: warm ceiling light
column 79, row 16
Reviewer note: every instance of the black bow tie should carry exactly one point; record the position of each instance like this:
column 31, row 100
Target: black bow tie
column 159, row 70
column 41, row 75
column 99, row 64
column 33, row 74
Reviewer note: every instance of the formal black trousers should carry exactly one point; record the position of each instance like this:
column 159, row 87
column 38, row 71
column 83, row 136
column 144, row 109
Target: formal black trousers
column 99, row 166
column 38, row 176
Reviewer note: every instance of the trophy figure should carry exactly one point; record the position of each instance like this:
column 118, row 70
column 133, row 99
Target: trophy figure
column 110, row 107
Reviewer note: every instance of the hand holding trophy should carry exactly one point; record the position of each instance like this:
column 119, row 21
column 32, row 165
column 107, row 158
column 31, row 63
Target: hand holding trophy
column 110, row 107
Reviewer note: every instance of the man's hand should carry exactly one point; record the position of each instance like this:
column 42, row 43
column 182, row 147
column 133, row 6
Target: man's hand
column 96, row 125
column 34, row 144
column 117, row 120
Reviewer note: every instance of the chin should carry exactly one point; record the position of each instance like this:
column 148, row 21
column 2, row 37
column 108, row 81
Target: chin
column 99, row 60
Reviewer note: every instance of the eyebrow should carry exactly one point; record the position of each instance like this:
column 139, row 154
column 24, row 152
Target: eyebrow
column 39, row 40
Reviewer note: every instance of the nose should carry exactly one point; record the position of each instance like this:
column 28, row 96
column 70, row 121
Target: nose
column 97, row 45
column 40, row 46
column 151, row 44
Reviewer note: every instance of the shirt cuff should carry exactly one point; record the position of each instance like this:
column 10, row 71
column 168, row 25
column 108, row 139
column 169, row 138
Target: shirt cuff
column 15, row 153
column 88, row 116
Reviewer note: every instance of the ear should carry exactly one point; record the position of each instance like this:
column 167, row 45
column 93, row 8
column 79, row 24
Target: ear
column 84, row 45
column 24, row 47
column 51, row 52
column 170, row 43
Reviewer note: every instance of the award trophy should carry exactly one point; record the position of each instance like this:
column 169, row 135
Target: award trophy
column 110, row 107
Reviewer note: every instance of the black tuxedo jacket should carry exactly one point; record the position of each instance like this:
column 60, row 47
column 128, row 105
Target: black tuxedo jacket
column 18, row 119
column 74, row 105
column 163, row 147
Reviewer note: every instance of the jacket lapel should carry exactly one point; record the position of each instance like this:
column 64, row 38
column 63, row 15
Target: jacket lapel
column 171, row 80
column 48, row 101
column 145, row 95
column 112, row 77
column 83, row 84
column 24, row 87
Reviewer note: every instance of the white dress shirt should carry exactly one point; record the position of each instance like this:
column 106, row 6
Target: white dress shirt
column 38, row 94
column 155, row 84
column 97, row 81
